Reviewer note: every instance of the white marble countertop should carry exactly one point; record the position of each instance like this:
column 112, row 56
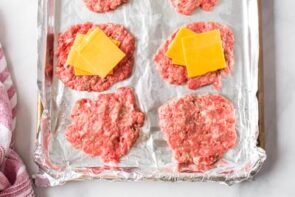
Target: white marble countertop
column 18, row 36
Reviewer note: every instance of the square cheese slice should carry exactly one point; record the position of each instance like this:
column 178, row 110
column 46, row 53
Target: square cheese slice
column 83, row 72
column 100, row 52
column 203, row 53
column 78, row 62
column 81, row 67
column 175, row 51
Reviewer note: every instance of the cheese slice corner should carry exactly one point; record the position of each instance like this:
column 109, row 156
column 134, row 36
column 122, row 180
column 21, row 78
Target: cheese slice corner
column 175, row 51
column 79, row 72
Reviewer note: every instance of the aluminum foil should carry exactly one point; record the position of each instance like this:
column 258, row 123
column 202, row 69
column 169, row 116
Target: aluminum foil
column 152, row 22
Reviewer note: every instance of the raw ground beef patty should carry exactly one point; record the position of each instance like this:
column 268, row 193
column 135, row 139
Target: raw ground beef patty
column 94, row 83
column 106, row 127
column 187, row 7
column 199, row 130
column 177, row 75
column 103, row 5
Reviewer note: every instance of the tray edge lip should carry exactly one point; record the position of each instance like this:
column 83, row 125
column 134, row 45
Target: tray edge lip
column 260, row 96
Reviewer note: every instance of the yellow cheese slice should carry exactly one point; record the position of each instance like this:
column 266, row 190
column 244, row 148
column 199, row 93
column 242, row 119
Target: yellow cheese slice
column 100, row 52
column 90, row 33
column 76, row 60
column 79, row 72
column 203, row 53
column 116, row 42
column 81, row 66
column 175, row 51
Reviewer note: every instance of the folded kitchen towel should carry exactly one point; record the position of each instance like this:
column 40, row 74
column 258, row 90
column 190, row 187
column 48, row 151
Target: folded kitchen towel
column 14, row 180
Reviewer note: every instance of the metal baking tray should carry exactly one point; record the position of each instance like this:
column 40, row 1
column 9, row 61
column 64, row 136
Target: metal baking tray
column 55, row 16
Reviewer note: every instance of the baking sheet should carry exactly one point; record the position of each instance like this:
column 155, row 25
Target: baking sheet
column 151, row 22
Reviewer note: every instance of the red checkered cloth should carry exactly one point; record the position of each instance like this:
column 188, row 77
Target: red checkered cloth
column 14, row 179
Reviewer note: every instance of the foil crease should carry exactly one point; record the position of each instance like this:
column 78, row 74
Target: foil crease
column 152, row 22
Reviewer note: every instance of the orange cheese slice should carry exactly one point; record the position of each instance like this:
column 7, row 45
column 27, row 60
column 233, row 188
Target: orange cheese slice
column 82, row 66
column 79, row 72
column 175, row 51
column 203, row 53
column 100, row 53
column 77, row 61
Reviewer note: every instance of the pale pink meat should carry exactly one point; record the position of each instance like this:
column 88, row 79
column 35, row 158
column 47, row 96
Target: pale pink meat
column 177, row 75
column 187, row 7
column 199, row 130
column 106, row 127
column 102, row 6
column 94, row 83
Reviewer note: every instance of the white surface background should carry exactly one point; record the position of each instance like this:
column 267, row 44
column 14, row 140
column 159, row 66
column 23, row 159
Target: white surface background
column 18, row 36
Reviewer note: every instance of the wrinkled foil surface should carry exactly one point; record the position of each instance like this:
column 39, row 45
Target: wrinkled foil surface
column 151, row 22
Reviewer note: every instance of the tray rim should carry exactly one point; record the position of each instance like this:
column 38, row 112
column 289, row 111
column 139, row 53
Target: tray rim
column 261, row 143
column 260, row 93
